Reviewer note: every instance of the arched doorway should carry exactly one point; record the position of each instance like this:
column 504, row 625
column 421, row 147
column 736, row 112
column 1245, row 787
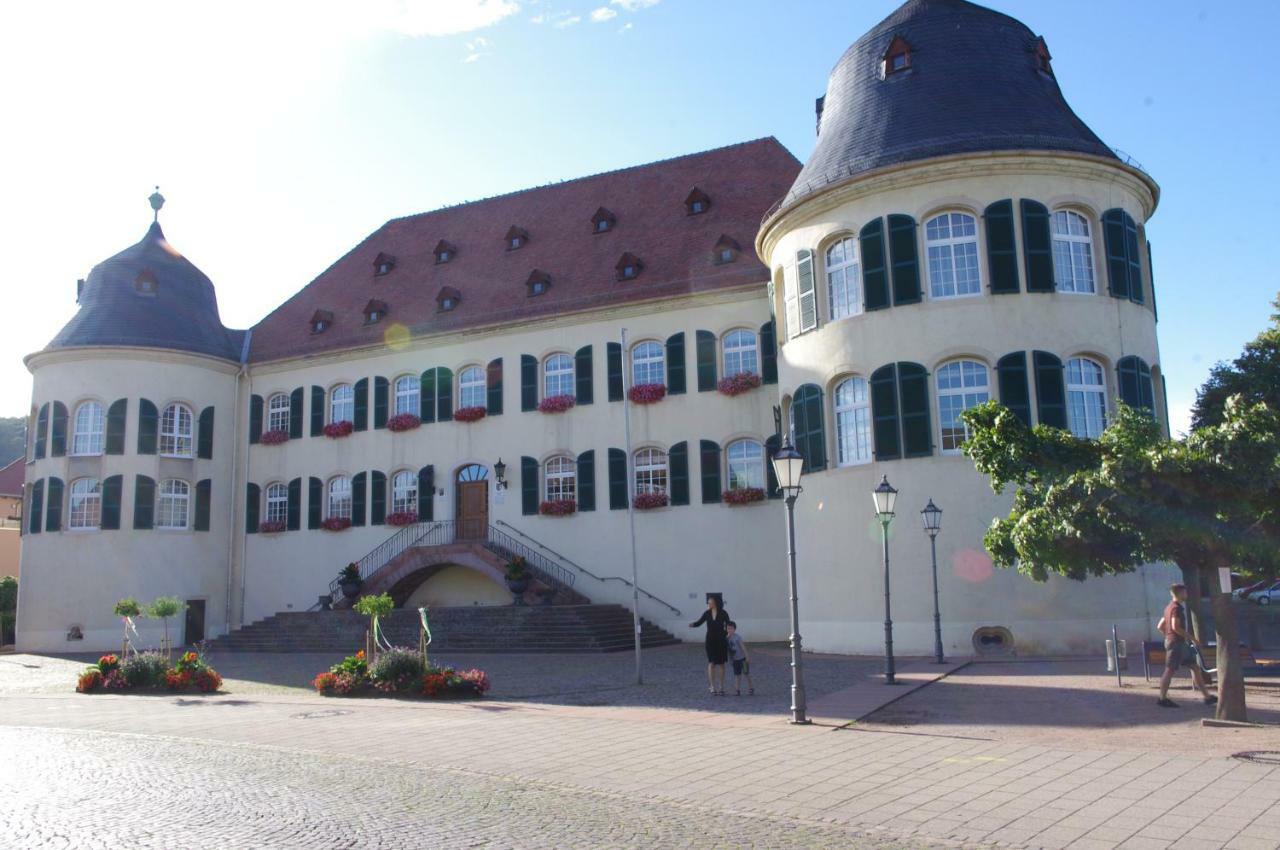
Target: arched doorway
column 472, row 487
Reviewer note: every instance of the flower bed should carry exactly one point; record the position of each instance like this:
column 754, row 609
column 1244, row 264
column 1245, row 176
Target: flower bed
column 558, row 507
column 649, row 501
column 336, row 523
column 403, row 422
column 149, row 671
column 337, row 430
column 647, row 393
column 274, row 438
column 402, row 518
column 742, row 496
column 399, row 671
column 271, row 526
column 556, row 403
column 743, row 382
column 469, row 414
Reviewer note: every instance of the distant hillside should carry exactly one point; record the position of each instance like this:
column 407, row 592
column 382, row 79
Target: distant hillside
column 13, row 438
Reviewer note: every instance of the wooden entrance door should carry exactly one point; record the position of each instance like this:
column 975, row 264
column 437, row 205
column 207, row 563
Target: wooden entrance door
column 473, row 510
column 193, row 628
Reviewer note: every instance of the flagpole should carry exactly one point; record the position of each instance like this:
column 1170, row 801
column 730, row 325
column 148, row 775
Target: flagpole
column 631, row 511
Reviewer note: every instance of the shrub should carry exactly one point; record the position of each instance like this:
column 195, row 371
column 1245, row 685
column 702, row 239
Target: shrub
column 144, row 670
column 470, row 414
column 396, row 669
column 558, row 507
column 90, row 680
column 647, row 393
column 403, row 422
column 274, row 438
column 556, row 403
column 648, row 501
column 336, row 430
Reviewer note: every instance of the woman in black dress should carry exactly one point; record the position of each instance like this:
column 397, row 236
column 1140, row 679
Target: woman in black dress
column 717, row 647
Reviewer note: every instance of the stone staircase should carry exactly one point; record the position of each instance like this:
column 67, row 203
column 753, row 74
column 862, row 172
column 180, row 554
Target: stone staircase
column 498, row 628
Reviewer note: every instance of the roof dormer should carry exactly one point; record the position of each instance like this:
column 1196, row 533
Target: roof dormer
column 374, row 311
column 447, row 298
column 1043, row 58
column 897, row 58
column 445, row 251
column 726, row 250
column 698, row 202
column 320, row 321
column 383, row 264
column 538, row 282
column 603, row 221
column 145, row 284
column 628, row 266
column 516, row 238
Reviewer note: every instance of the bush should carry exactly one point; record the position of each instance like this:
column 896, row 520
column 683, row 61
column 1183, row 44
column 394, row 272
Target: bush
column 90, row 680
column 396, row 669
column 144, row 670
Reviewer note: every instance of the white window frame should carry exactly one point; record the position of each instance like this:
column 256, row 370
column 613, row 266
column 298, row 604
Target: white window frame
column 1086, row 398
column 173, row 505
column 744, row 465
column 278, row 412
column 1073, row 253
column 852, row 401
column 652, row 473
column 408, row 396
column 557, row 371
column 88, row 435
column 84, row 504
column 404, row 492
column 790, row 301
column 741, row 352
column 648, row 363
column 342, row 403
column 338, row 498
column 942, row 252
column 844, row 278
column 177, row 431
column 970, row 392
column 560, row 479
column 276, row 503
column 473, row 387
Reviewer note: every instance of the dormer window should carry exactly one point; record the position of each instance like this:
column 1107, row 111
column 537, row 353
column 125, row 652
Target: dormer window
column 383, row 264
column 447, row 299
column 628, row 266
column 698, row 202
column 897, row 58
column 726, row 250
column 603, row 221
column 1043, row 59
column 444, row 251
column 146, row 284
column 516, row 238
column 374, row 312
column 320, row 321
column 538, row 282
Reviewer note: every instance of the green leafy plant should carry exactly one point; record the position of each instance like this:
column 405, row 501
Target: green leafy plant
column 162, row 608
column 517, row 569
column 128, row 607
column 397, row 669
column 375, row 606
column 350, row 574
column 144, row 669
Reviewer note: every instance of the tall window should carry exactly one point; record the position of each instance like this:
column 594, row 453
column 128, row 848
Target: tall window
column 86, row 436
column 1072, row 252
column 277, row 503
column 647, row 364
column 558, row 371
column 85, row 508
column 278, row 412
column 962, row 384
column 1086, row 398
column 342, row 404
column 745, row 465
column 651, row 471
column 339, row 498
column 173, row 504
column 843, row 289
column 408, row 390
column 472, row 389
column 562, row 479
column 741, row 353
column 853, row 422
column 404, row 493
column 952, row 241
column 175, row 429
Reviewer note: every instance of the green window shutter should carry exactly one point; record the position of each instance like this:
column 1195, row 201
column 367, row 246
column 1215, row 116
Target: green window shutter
column 528, row 486
column 884, row 413
column 377, row 498
column 903, row 256
column 678, row 467
column 204, row 495
column 769, row 352
column 675, row 364
column 709, row 466
column 913, row 401
column 295, row 414
column 427, row 395
column 1164, row 397
column 252, row 508
column 771, row 447
column 204, row 447
column 361, row 406
column 528, row 382
column 58, row 430
column 148, row 424
column 317, row 411
column 617, row 480
column 582, row 367
column 444, row 394
column 1113, row 232
column 36, row 510
column 293, row 512
column 426, row 493
column 587, row 481
column 1037, row 246
column 117, row 417
column 42, row 428
column 1051, row 390
column 1151, row 273
column 493, row 387
column 706, row 352
column 255, row 418
column 359, row 503
column 1002, row 249
column 112, row 491
column 1134, row 260
column 1146, row 392
column 808, row 296
column 315, row 502
column 875, row 274
column 1127, row 381
column 381, row 389
column 53, row 513
column 1011, row 376
column 144, row 502
column 810, row 435
column 613, row 359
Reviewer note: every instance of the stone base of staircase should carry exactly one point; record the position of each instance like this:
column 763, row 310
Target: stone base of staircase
column 503, row 629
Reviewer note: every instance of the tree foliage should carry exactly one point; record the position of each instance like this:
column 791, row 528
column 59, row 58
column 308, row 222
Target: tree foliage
column 13, row 438
column 1254, row 376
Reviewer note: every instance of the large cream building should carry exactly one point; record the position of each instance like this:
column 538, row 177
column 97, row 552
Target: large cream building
column 957, row 235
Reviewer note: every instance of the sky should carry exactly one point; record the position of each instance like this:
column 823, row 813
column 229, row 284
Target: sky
column 282, row 133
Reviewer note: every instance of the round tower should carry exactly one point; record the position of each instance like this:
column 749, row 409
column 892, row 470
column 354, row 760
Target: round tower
column 957, row 235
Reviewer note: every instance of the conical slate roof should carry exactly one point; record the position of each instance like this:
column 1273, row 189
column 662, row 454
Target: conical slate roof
column 974, row 85
column 150, row 296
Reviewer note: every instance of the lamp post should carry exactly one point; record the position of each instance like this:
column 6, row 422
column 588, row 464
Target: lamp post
column 932, row 518
column 788, row 467
column 884, row 496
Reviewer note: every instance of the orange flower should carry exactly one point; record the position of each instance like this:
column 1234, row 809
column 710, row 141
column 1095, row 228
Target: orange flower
column 360, row 655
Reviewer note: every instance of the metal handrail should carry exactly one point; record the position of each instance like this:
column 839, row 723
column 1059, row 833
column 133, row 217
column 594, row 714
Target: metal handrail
column 506, row 546
column 586, row 571
column 384, row 552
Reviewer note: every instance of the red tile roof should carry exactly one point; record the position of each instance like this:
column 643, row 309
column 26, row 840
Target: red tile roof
column 12, row 478
column 742, row 182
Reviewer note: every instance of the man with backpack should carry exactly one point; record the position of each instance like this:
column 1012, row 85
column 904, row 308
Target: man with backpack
column 1180, row 648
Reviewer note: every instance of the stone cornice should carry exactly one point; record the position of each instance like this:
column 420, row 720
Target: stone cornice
column 96, row 353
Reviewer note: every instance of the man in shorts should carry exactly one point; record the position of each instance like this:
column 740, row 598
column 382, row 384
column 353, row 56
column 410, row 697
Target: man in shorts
column 1177, row 648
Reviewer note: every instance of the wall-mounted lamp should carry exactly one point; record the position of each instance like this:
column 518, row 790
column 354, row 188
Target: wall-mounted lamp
column 500, row 473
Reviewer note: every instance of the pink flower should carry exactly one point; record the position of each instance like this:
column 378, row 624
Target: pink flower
column 647, row 393
column 274, row 438
column 558, row 507
column 648, row 501
column 271, row 526
column 742, row 496
column 469, row 414
column 738, row 384
column 336, row 523
column 557, row 403
column 403, row 422
column 402, row 518
column 336, row 430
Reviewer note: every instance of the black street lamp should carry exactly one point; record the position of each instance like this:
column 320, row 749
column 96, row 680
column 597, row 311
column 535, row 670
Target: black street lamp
column 932, row 518
column 885, row 496
column 788, row 467
column 500, row 472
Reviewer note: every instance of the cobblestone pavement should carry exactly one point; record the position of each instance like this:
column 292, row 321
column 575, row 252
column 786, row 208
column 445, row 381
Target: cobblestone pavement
column 63, row 789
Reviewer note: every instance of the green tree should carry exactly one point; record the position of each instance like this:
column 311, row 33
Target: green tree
column 8, row 607
column 374, row 607
column 1254, row 376
column 162, row 608
column 13, row 438
column 1087, row 508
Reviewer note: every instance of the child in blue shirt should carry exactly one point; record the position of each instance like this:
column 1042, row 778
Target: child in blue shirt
column 741, row 661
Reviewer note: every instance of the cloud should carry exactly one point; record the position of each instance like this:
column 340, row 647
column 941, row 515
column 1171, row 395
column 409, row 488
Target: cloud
column 472, row 57
column 416, row 18
column 625, row 27
column 559, row 20
column 604, row 13
column 476, row 48
column 567, row 22
column 635, row 5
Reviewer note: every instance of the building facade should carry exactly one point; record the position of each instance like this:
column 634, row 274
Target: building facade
column 559, row 365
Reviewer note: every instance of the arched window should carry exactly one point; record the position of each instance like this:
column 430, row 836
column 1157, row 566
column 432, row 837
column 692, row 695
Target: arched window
column 952, row 242
column 472, row 389
column 277, row 507
column 1072, row 252
column 853, row 422
column 651, row 471
column 278, row 412
column 647, row 364
column 562, row 479
column 844, row 289
column 86, row 434
column 173, row 504
column 339, row 498
column 408, row 391
column 342, row 404
column 558, row 374
column 85, row 508
column 741, row 353
column 404, row 493
column 962, row 384
column 744, row 463
column 1086, row 398
column 175, row 428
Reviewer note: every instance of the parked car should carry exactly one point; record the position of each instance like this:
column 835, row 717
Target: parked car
column 1243, row 592
column 1266, row 597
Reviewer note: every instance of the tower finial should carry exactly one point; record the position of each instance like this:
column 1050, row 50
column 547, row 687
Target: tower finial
column 157, row 201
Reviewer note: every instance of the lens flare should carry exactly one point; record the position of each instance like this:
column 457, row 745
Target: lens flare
column 972, row 565
column 397, row 337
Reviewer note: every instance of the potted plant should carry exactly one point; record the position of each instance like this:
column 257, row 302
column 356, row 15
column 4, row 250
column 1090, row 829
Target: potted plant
column 556, row 403
column 518, row 578
column 403, row 422
column 737, row 384
column 127, row 609
column 469, row 414
column 163, row 608
column 350, row 581
column 647, row 393
column 338, row 430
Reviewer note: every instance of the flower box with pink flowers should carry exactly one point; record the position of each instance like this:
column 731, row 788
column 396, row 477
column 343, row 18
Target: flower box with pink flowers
column 558, row 507
column 403, row 422
column 274, row 438
column 743, row 382
column 469, row 414
column 271, row 526
column 649, row 501
column 336, row 523
column 402, row 518
column 742, row 496
column 556, row 403
column 647, row 393
column 338, row 430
